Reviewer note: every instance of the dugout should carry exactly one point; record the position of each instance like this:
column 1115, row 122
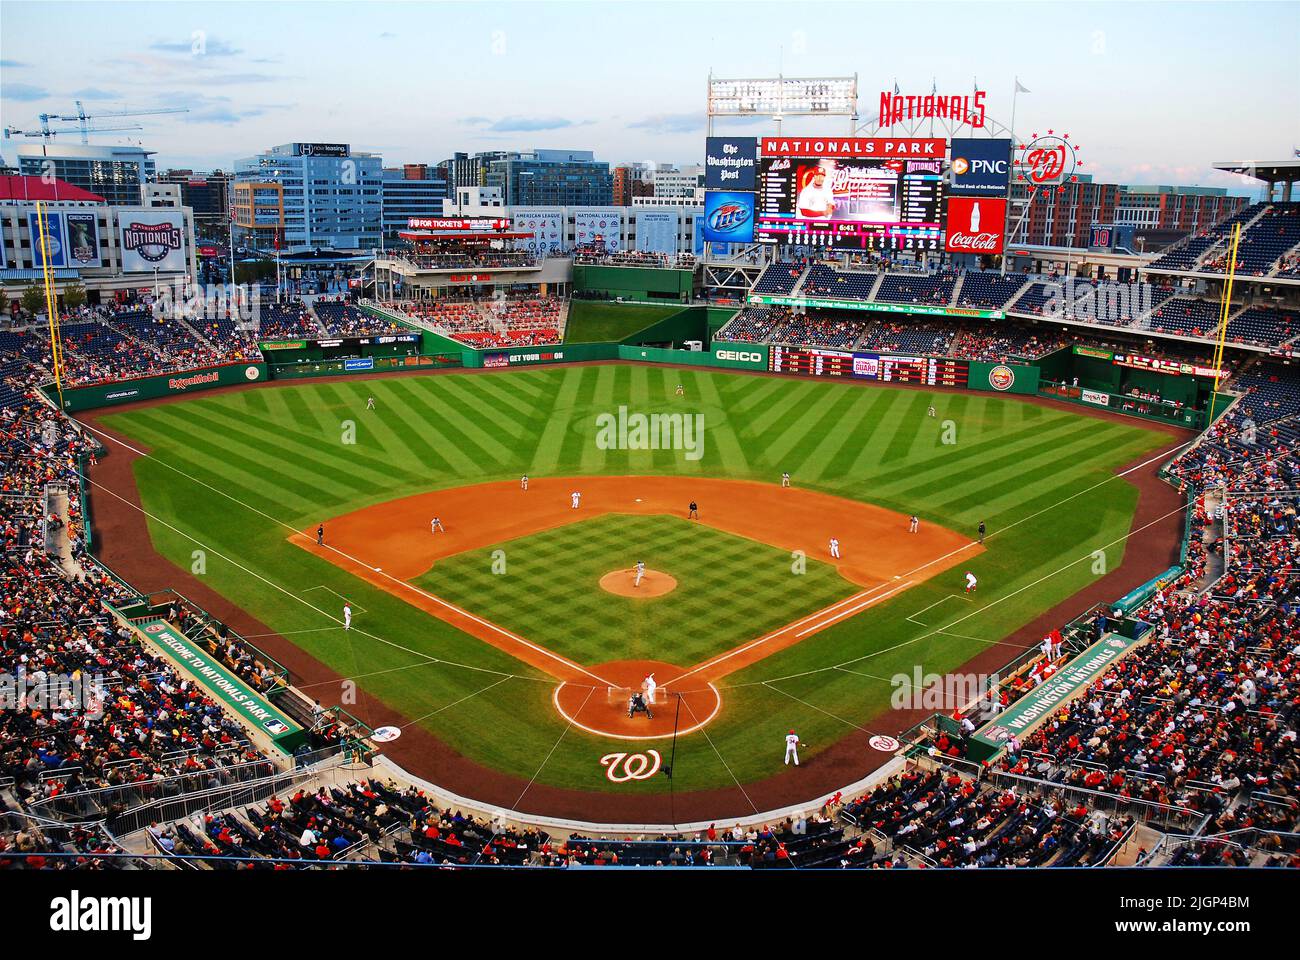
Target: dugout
column 1151, row 387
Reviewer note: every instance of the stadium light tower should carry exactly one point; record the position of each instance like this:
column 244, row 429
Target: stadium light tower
column 780, row 97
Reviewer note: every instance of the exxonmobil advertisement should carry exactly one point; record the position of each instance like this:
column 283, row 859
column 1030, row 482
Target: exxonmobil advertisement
column 976, row 225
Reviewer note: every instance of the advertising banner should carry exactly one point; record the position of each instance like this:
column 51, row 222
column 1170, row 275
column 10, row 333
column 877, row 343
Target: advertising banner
column 976, row 225
column 597, row 224
column 546, row 224
column 656, row 231
column 83, row 239
column 151, row 240
column 731, row 163
column 728, row 217
column 1095, row 397
column 53, row 242
column 981, row 168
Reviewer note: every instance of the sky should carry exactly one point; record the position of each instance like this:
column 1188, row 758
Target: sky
column 1153, row 92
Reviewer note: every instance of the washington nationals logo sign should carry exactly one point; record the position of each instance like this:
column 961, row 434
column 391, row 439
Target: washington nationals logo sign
column 1047, row 161
column 622, row 767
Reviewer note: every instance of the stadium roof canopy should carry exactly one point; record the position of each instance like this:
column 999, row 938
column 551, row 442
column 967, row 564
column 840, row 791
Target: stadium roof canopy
column 1270, row 171
column 28, row 189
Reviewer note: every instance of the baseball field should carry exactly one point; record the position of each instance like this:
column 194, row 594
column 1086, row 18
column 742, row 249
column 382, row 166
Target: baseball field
column 505, row 644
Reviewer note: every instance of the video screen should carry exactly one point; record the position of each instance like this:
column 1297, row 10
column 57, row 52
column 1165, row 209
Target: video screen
column 853, row 203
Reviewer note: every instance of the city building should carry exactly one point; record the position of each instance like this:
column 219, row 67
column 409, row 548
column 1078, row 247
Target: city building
column 685, row 183
column 207, row 194
column 331, row 198
column 1159, row 214
column 114, row 173
column 412, row 190
column 564, row 177
column 463, row 170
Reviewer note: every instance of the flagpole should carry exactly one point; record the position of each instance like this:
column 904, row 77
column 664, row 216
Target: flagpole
column 1015, row 94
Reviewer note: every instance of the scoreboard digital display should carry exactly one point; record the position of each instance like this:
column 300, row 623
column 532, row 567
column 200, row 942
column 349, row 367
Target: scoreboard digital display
column 854, row 203
column 926, row 371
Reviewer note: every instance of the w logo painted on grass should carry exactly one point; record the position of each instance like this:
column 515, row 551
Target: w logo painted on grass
column 622, row 767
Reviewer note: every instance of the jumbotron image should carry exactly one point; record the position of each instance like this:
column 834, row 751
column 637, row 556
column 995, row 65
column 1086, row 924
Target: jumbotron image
column 902, row 478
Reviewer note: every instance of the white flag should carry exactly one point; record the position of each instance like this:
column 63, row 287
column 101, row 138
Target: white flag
column 1020, row 87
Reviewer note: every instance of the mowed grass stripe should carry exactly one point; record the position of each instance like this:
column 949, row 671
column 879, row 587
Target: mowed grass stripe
column 721, row 436
column 385, row 433
column 546, row 456
column 839, row 433
column 472, row 434
column 886, row 420
column 796, row 398
column 591, row 459
column 314, row 457
column 247, row 481
column 422, row 427
column 487, row 409
column 829, row 426
column 908, row 432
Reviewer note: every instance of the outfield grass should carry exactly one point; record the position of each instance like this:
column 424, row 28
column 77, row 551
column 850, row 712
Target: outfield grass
column 273, row 458
column 600, row 321
column 560, row 570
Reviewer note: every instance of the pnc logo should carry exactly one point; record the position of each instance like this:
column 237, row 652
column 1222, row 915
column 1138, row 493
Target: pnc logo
column 960, row 165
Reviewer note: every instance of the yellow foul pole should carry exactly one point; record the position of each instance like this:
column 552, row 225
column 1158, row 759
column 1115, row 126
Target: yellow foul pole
column 1225, row 308
column 51, row 300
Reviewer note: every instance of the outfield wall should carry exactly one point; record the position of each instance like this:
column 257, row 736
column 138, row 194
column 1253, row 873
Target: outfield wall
column 160, row 385
column 635, row 283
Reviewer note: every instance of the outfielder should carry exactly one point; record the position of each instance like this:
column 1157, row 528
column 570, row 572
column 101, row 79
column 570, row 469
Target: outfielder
column 347, row 615
column 835, row 549
column 370, row 403
column 792, row 748
column 640, row 572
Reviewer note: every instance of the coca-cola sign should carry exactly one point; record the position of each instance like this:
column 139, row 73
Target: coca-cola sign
column 976, row 225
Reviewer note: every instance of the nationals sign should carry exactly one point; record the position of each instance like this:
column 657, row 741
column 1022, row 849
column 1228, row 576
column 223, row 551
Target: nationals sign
column 151, row 240
column 960, row 108
column 976, row 225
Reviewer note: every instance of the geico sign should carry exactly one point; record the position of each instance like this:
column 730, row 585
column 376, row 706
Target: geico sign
column 744, row 356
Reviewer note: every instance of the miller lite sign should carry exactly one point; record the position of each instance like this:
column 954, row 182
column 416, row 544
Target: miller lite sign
column 151, row 240
column 976, row 225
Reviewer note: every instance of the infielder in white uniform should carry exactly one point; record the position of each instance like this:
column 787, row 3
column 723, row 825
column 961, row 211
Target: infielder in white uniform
column 574, row 498
column 914, row 524
column 435, row 526
column 640, row 572
column 792, row 748
column 970, row 582
column 835, row 548
column 650, row 687
column 523, row 482
column 347, row 615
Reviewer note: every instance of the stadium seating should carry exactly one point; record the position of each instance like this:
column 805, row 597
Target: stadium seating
column 779, row 278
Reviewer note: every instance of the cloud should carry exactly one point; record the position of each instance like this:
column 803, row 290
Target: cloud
column 24, row 91
column 387, row 35
column 524, row 124
column 13, row 64
column 94, row 93
column 671, row 123
column 206, row 47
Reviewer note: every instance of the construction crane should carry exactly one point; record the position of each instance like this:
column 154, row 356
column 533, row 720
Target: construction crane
column 82, row 117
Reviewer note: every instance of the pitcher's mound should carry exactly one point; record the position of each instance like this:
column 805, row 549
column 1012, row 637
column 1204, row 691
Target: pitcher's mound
column 655, row 583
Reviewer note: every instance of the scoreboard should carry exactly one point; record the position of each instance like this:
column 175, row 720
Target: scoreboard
column 858, row 203
column 927, row 371
column 930, row 371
